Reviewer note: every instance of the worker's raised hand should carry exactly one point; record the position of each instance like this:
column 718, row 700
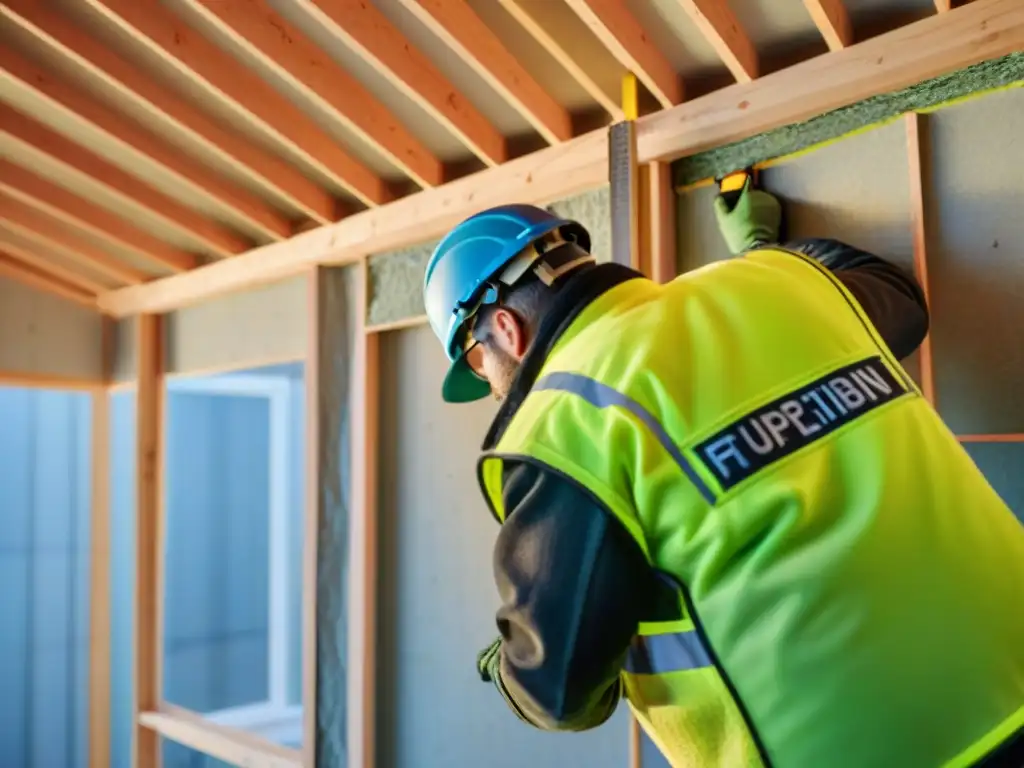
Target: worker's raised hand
column 487, row 661
column 753, row 220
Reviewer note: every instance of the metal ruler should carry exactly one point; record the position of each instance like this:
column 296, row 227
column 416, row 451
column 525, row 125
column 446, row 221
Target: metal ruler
column 624, row 178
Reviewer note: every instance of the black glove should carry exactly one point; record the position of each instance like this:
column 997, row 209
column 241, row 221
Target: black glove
column 487, row 661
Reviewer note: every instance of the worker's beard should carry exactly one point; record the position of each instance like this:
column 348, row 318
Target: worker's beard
column 502, row 370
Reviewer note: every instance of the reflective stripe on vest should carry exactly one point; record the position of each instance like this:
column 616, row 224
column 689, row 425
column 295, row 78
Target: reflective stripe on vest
column 678, row 651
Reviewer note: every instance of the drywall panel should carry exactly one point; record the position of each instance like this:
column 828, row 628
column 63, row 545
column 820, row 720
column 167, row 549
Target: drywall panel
column 126, row 337
column 975, row 235
column 396, row 277
column 46, row 335
column 856, row 190
column 1001, row 463
column 437, row 592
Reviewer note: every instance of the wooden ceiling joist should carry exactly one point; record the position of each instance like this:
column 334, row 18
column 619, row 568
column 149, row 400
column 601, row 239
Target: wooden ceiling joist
column 15, row 270
column 38, row 259
column 59, row 202
column 280, row 180
column 469, row 38
column 79, row 114
column 265, row 33
column 833, row 21
column 130, row 189
column 369, row 34
column 226, row 78
column 33, row 224
column 616, row 27
column 720, row 27
column 540, row 19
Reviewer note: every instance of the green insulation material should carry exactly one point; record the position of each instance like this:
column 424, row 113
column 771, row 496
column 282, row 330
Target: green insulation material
column 396, row 277
column 799, row 137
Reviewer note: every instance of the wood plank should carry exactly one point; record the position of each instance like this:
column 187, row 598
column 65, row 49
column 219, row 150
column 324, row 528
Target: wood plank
column 470, row 39
column 661, row 232
column 65, row 205
column 99, row 566
column 720, row 27
column 37, row 259
column 917, row 223
column 833, row 21
column 541, row 19
column 228, row 744
column 129, row 188
column 165, row 34
column 147, row 645
column 34, row 380
column 256, row 26
column 369, row 34
column 621, row 33
column 33, row 224
column 985, row 29
column 34, row 278
column 273, row 174
column 82, row 116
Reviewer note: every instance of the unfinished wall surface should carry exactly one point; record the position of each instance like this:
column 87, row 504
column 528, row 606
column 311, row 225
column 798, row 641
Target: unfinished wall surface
column 239, row 330
column 44, row 335
column 437, row 592
column 396, row 277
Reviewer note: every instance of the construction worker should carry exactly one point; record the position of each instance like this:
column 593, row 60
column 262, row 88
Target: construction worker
column 724, row 500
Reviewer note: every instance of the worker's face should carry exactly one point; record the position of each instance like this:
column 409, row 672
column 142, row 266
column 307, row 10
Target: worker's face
column 500, row 355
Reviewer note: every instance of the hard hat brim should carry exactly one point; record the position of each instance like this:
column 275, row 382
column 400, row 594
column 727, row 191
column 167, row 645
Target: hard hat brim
column 461, row 385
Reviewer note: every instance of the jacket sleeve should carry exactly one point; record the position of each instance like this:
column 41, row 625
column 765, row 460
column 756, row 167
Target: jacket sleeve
column 891, row 298
column 573, row 585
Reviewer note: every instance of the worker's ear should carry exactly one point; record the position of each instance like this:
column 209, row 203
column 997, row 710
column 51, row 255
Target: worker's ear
column 509, row 332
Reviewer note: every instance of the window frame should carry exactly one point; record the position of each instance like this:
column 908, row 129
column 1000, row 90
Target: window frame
column 275, row 718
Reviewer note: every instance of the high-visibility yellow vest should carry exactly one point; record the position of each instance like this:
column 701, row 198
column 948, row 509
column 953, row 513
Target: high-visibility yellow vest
column 849, row 590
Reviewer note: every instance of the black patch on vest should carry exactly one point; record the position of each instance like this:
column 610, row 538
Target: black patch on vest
column 788, row 423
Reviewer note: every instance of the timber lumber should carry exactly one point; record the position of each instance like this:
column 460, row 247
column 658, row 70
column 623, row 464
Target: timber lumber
column 937, row 45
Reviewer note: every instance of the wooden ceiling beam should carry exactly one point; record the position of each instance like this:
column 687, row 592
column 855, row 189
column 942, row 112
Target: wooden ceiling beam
column 280, row 180
column 468, row 37
column 370, row 35
column 33, row 224
column 833, row 21
column 157, row 28
column 255, row 25
column 539, row 19
column 81, row 113
column 59, row 202
column 39, row 261
column 12, row 269
column 720, row 27
column 616, row 27
column 124, row 185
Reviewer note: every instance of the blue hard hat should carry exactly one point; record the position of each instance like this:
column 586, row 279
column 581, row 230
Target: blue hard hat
column 460, row 269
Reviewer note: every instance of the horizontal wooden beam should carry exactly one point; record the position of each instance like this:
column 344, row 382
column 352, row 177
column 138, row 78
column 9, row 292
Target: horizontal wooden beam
column 33, row 380
column 982, row 30
column 832, row 21
column 720, row 27
column 229, row 744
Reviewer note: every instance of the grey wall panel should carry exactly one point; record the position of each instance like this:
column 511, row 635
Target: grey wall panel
column 43, row 334
column 126, row 334
column 437, row 593
column 1002, row 464
column 240, row 330
column 975, row 199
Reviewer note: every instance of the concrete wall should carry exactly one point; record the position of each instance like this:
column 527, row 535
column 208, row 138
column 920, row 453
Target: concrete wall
column 437, row 593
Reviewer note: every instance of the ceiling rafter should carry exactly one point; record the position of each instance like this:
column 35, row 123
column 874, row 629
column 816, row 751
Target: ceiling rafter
column 280, row 180
column 720, row 27
column 39, row 260
column 469, row 38
column 370, row 35
column 833, row 21
column 34, row 278
column 170, row 37
column 624, row 37
column 254, row 24
column 85, row 116
column 84, row 214
column 35, row 225
column 98, row 171
column 539, row 19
